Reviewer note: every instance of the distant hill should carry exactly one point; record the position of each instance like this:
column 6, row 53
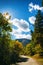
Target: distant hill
column 24, row 41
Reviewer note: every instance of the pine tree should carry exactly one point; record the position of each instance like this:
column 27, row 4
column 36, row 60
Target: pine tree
column 37, row 36
column 39, row 27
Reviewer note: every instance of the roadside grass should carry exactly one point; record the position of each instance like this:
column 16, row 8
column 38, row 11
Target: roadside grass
column 38, row 58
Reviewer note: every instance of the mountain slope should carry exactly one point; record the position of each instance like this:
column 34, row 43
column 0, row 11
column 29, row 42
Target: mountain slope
column 24, row 41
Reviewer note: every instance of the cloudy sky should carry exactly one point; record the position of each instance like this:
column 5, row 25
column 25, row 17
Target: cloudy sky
column 22, row 16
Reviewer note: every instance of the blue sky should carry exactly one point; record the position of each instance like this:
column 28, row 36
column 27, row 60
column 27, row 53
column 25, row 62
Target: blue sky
column 23, row 15
column 18, row 8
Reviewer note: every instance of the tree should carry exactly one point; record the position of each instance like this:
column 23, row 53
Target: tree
column 5, row 28
column 16, row 48
column 37, row 35
column 30, row 49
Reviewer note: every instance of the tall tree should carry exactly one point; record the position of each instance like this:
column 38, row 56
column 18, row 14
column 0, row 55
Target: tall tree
column 37, row 36
column 39, row 27
column 5, row 28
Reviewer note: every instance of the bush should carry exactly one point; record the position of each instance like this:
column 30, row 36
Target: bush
column 16, row 51
column 39, row 49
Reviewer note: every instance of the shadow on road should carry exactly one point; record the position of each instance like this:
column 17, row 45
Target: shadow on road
column 21, row 59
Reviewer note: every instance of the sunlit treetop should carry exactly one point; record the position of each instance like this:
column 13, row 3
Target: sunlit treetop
column 6, row 15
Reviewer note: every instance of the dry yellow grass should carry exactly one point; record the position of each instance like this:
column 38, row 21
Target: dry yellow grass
column 38, row 58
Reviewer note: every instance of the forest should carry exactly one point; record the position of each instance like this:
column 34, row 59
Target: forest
column 10, row 50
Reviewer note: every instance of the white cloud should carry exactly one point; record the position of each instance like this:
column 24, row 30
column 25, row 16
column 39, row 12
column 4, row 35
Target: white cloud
column 30, row 9
column 34, row 7
column 32, row 19
column 23, row 36
column 19, row 35
column 21, row 25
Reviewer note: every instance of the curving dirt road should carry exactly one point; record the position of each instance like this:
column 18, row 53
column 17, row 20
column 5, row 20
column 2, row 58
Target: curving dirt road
column 27, row 61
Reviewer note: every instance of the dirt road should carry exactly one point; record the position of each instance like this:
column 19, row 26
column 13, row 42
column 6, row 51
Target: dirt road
column 27, row 61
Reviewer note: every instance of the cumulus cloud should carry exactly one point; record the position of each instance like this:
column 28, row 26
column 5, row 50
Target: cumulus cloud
column 32, row 19
column 23, row 36
column 14, row 31
column 22, row 25
column 34, row 7
column 19, row 35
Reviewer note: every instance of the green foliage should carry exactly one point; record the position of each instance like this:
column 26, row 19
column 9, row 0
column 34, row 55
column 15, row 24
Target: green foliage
column 16, row 50
column 39, row 32
column 37, row 35
column 18, row 47
column 36, row 45
column 5, row 28
column 38, row 49
column 9, row 50
column 30, row 49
